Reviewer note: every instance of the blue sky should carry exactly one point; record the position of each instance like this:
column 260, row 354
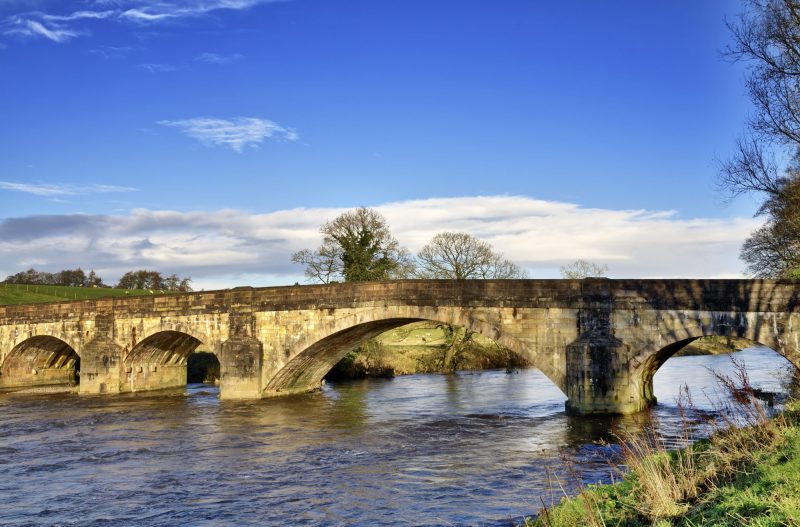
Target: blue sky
column 263, row 107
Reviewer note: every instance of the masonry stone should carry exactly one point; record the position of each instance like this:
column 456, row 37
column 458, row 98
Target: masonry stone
column 600, row 341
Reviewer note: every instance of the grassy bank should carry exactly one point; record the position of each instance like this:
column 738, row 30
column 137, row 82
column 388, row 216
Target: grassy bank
column 740, row 475
column 714, row 346
column 37, row 294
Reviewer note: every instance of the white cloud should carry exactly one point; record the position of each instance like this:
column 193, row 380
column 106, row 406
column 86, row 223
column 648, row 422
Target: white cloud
column 157, row 68
column 159, row 11
column 140, row 15
column 63, row 27
column 56, row 190
column 79, row 15
column 112, row 52
column 216, row 58
column 33, row 28
column 236, row 133
column 229, row 247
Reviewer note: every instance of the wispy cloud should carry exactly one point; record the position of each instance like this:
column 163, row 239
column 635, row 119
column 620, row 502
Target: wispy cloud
column 159, row 11
column 216, row 246
column 157, row 68
column 61, row 190
column 78, row 15
column 236, row 134
column 34, row 28
column 216, row 58
column 62, row 27
column 112, row 52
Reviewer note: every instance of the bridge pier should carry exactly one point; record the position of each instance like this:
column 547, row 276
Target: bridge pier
column 240, row 369
column 598, row 375
column 101, row 367
column 241, row 356
column 599, row 381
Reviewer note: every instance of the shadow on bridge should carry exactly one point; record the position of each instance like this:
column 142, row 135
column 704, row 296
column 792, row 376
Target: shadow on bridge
column 747, row 312
column 159, row 361
column 40, row 361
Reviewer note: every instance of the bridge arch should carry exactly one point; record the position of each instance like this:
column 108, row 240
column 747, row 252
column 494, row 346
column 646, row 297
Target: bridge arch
column 158, row 361
column 650, row 360
column 309, row 361
column 40, row 360
column 70, row 334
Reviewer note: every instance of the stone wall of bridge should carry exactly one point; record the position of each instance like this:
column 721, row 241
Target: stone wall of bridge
column 600, row 341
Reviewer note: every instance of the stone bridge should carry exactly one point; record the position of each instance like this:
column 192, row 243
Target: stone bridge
column 600, row 341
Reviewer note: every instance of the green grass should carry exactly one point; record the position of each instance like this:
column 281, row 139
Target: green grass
column 36, row 294
column 748, row 476
column 766, row 495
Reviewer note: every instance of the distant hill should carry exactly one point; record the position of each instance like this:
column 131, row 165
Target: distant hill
column 37, row 294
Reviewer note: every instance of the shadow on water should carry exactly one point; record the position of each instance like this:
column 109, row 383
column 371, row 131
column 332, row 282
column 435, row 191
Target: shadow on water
column 477, row 448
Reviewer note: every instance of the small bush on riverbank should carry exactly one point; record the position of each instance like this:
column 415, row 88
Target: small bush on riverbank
column 746, row 473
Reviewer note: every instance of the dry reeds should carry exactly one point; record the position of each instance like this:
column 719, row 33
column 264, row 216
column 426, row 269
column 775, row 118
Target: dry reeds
column 667, row 482
column 663, row 484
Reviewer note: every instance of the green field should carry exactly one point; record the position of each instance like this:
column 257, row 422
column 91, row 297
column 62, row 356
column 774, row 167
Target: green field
column 37, row 294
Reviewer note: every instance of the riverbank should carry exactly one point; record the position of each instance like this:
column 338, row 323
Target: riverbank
column 424, row 347
column 738, row 476
column 429, row 347
column 714, row 345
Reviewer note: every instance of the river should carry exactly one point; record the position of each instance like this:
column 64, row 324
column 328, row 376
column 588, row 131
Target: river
column 477, row 448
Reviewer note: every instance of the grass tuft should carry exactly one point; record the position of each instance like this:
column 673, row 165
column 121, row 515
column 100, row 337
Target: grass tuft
column 747, row 472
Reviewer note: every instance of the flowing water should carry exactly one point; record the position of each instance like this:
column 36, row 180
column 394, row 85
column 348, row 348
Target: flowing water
column 484, row 448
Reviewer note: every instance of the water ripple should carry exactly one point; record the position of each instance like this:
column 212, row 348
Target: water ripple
column 478, row 449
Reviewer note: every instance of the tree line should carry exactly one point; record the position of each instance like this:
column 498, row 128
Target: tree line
column 358, row 246
column 141, row 279
column 68, row 277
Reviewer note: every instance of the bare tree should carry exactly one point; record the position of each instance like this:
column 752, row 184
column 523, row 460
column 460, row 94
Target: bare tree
column 461, row 256
column 583, row 269
column 767, row 39
column 357, row 246
column 323, row 265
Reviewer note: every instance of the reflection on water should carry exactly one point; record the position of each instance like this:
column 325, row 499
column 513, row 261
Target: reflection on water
column 472, row 449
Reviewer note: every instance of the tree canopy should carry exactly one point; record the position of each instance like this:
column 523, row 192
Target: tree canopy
column 357, row 246
column 767, row 39
column 68, row 277
column 153, row 280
